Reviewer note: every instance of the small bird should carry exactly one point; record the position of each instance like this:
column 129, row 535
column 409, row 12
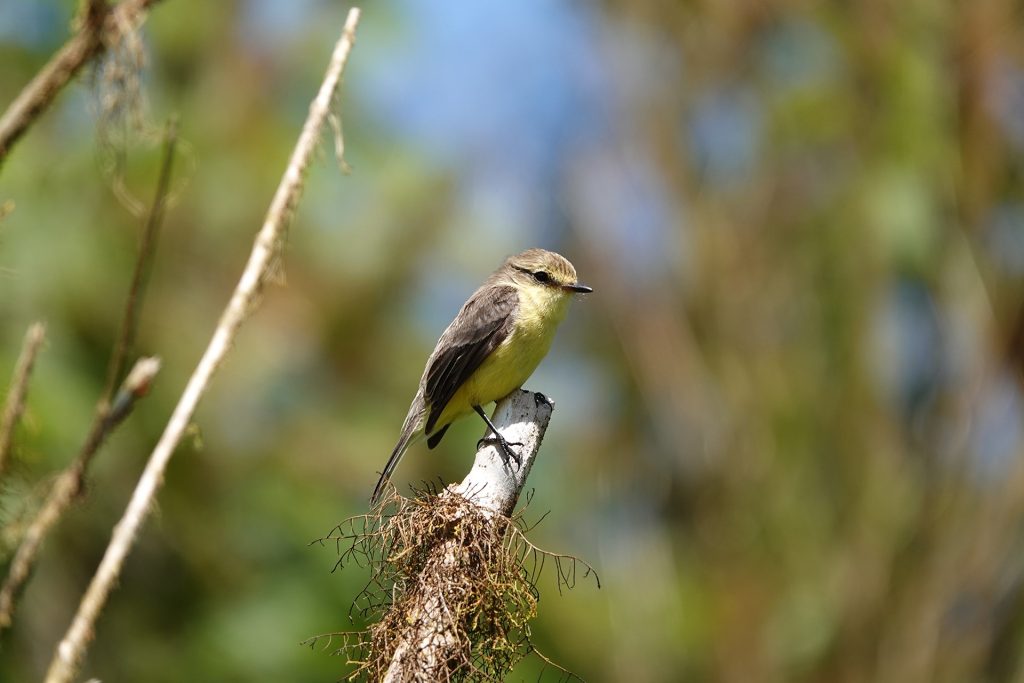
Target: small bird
column 496, row 341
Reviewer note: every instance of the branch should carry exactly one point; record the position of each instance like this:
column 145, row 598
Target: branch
column 522, row 418
column 15, row 404
column 143, row 263
column 431, row 645
column 98, row 24
column 110, row 410
column 243, row 301
column 69, row 483
column 452, row 574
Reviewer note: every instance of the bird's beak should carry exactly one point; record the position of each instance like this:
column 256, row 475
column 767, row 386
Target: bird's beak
column 582, row 289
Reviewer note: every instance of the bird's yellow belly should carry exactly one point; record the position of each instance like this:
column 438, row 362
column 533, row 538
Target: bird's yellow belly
column 502, row 372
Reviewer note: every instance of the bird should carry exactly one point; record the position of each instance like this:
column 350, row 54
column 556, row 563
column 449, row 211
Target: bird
column 496, row 341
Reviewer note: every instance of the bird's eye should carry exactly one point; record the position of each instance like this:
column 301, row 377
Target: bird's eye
column 541, row 276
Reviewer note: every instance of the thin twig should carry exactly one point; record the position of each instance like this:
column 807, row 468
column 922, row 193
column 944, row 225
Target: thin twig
column 98, row 23
column 243, row 300
column 15, row 404
column 143, row 264
column 69, row 483
column 111, row 409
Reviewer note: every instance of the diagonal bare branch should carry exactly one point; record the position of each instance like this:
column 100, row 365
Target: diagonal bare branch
column 243, row 300
column 15, row 404
column 88, row 43
column 68, row 484
column 111, row 408
column 143, row 263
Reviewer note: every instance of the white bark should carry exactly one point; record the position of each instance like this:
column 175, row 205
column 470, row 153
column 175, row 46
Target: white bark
column 427, row 647
column 493, row 484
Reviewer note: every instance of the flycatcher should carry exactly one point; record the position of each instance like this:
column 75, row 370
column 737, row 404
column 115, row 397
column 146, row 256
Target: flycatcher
column 497, row 340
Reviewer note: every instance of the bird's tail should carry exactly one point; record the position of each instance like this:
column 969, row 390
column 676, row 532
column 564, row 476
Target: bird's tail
column 412, row 430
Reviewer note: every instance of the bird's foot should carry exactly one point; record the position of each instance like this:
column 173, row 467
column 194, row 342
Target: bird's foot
column 507, row 452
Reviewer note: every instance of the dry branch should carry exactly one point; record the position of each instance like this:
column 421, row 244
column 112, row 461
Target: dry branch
column 144, row 261
column 492, row 483
column 452, row 575
column 432, row 646
column 98, row 27
column 69, row 483
column 243, row 300
column 15, row 403
column 111, row 408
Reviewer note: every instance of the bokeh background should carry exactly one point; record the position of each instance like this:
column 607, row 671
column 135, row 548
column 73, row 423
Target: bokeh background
column 789, row 420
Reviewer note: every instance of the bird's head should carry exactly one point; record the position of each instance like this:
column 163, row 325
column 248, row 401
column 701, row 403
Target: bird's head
column 545, row 273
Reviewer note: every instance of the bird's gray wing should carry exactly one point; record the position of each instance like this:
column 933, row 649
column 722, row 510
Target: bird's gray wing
column 482, row 324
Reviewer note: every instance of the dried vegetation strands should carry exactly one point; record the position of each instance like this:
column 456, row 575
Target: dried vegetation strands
column 454, row 586
column 99, row 26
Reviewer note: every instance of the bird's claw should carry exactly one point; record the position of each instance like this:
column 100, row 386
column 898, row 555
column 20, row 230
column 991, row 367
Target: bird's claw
column 505, row 446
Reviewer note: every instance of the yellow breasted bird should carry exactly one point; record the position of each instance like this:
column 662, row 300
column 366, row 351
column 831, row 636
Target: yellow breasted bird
column 496, row 341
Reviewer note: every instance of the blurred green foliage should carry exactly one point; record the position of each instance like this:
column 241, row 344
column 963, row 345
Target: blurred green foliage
column 788, row 432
